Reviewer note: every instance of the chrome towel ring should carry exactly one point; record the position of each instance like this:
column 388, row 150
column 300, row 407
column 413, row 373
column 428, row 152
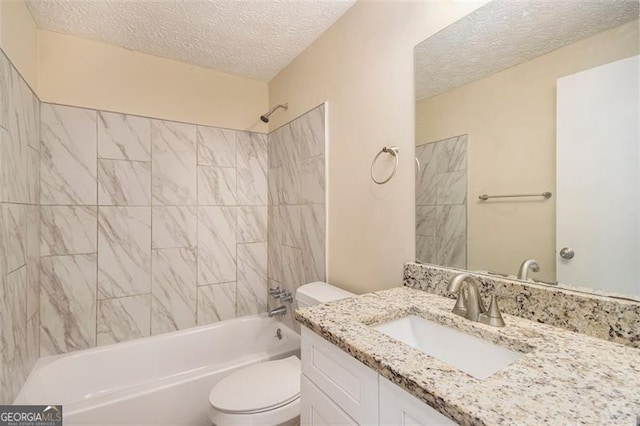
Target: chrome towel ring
column 393, row 150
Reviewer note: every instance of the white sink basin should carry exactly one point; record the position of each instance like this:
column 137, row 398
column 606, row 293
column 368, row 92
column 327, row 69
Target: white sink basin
column 470, row 354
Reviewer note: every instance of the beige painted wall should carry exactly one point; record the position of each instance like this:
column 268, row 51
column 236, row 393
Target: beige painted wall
column 18, row 38
column 510, row 119
column 81, row 72
column 363, row 67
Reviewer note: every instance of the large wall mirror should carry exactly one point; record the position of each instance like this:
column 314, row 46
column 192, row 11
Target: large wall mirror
column 527, row 139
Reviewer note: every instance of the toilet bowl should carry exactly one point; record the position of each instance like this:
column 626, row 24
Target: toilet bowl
column 267, row 393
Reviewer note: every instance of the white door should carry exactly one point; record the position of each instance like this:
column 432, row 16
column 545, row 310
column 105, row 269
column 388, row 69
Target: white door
column 598, row 178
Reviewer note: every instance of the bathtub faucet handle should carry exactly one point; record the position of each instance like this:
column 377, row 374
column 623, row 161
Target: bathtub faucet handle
column 275, row 292
column 285, row 296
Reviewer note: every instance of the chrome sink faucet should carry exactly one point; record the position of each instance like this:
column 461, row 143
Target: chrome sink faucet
column 529, row 264
column 469, row 303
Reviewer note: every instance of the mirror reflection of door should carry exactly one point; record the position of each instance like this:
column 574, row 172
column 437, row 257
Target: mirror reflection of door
column 598, row 177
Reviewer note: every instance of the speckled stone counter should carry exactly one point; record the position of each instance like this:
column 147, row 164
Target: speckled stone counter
column 591, row 314
column 563, row 378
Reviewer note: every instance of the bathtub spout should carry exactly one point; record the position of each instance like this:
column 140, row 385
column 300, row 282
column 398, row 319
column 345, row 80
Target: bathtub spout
column 280, row 310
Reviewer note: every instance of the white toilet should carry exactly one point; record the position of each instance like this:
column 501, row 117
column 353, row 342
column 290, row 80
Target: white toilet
column 267, row 393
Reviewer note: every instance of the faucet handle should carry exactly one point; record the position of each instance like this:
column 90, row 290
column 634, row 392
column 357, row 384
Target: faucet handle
column 493, row 316
column 275, row 292
column 460, row 307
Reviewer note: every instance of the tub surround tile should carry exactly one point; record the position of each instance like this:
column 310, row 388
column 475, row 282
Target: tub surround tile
column 124, row 183
column 590, row 314
column 123, row 319
column 216, row 147
column 292, row 267
column 312, row 180
column 216, row 303
column 252, row 224
column 124, row 137
column 252, row 164
column 14, row 228
column 68, row 303
column 33, row 259
column 174, row 296
column 13, row 316
column 284, row 164
column 15, row 355
column 296, row 212
column 13, row 168
column 563, row 376
column 19, row 229
column 286, row 225
column 308, row 131
column 252, row 278
column 275, row 260
column 33, row 342
column 312, row 238
column 174, row 226
column 33, row 175
column 173, row 163
column 216, row 245
column 68, row 171
column 216, row 186
column 5, row 91
column 124, row 251
column 68, row 230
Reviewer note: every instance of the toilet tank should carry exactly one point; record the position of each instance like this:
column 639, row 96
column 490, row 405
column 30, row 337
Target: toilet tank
column 319, row 292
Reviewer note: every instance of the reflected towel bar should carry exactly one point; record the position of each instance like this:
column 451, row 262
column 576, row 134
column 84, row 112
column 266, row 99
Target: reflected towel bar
column 485, row 197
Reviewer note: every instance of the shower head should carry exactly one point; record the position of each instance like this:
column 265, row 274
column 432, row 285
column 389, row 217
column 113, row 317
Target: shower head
column 265, row 117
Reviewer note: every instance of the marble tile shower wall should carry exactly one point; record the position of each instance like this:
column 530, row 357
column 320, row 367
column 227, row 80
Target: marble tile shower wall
column 19, row 230
column 297, row 203
column 147, row 226
column 441, row 202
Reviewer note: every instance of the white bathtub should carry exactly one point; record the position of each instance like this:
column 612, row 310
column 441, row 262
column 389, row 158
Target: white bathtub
column 160, row 380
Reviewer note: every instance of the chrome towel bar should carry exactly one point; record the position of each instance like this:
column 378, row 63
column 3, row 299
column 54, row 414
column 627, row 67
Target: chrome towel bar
column 485, row 197
column 393, row 150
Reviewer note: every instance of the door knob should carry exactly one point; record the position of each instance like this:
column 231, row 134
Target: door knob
column 567, row 253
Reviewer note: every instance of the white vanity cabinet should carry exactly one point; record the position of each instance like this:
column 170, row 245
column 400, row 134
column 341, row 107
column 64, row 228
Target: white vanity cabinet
column 337, row 389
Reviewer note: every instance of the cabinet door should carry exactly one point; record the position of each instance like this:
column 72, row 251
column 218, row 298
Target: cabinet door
column 398, row 407
column 316, row 408
column 346, row 381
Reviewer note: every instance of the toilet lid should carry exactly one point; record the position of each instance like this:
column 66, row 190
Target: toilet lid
column 257, row 388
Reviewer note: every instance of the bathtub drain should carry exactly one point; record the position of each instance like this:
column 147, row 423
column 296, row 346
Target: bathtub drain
column 279, row 334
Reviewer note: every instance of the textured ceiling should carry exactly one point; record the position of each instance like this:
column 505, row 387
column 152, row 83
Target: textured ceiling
column 505, row 33
column 254, row 39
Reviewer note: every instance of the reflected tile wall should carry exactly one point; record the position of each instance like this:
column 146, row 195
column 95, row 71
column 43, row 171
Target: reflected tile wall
column 296, row 215
column 19, row 230
column 162, row 226
column 441, row 200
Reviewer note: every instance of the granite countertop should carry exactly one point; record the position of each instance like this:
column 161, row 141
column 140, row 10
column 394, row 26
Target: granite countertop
column 563, row 378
